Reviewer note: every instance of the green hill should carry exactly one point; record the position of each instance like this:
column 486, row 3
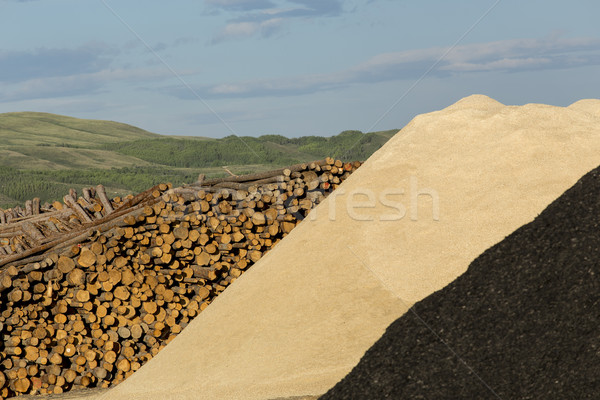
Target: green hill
column 44, row 155
column 31, row 140
column 33, row 128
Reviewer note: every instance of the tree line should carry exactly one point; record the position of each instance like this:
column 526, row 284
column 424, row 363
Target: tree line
column 268, row 149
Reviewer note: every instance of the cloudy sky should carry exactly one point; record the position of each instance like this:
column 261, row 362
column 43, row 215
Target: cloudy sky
column 290, row 67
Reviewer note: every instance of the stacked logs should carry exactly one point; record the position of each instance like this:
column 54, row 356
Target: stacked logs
column 90, row 312
column 93, row 200
column 24, row 229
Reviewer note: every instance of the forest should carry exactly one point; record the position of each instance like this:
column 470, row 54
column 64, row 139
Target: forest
column 267, row 149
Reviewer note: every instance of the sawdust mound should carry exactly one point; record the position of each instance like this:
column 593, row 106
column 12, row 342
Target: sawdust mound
column 521, row 323
column 449, row 185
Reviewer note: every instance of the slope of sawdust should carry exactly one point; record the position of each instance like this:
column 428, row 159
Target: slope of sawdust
column 304, row 315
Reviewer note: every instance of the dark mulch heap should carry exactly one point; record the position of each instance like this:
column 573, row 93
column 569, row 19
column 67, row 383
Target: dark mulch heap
column 525, row 317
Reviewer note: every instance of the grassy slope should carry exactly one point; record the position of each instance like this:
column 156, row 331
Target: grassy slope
column 44, row 154
column 31, row 140
column 32, row 128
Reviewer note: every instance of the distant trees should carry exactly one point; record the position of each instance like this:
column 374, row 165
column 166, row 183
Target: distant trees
column 269, row 149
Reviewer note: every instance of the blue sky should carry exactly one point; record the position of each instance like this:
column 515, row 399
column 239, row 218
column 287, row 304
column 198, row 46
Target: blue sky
column 290, row 67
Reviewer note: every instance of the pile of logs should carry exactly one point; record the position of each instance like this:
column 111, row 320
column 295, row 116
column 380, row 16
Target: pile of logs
column 24, row 229
column 93, row 200
column 89, row 305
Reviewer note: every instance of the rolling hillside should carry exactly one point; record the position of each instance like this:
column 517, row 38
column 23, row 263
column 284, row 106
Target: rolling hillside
column 31, row 140
column 32, row 128
column 45, row 154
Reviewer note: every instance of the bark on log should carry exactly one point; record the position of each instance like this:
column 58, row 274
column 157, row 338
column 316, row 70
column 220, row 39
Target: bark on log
column 70, row 201
column 262, row 175
column 101, row 192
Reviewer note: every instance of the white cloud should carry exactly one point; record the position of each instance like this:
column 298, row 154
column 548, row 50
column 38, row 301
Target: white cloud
column 499, row 56
column 77, row 84
column 267, row 17
column 245, row 29
column 241, row 5
column 240, row 29
column 43, row 62
column 503, row 64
